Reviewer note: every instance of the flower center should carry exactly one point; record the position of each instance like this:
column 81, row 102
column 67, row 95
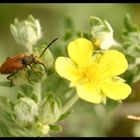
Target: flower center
column 93, row 73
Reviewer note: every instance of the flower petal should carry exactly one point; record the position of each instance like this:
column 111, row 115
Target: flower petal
column 89, row 92
column 80, row 51
column 113, row 63
column 116, row 90
column 66, row 69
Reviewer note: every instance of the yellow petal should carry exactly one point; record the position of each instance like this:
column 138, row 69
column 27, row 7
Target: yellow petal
column 113, row 63
column 66, row 69
column 116, row 90
column 80, row 51
column 89, row 92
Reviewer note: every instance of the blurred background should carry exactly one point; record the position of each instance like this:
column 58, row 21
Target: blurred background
column 86, row 120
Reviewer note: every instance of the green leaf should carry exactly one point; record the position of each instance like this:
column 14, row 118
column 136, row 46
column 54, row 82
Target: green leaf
column 129, row 25
column 84, row 35
column 8, row 117
column 4, row 130
column 130, row 59
column 26, row 89
column 132, row 75
column 136, row 73
column 55, row 127
column 111, row 104
column 50, row 109
column 3, row 100
column 68, row 23
column 50, row 96
column 69, row 28
column 50, row 71
column 68, row 34
column 128, row 76
column 10, row 104
column 31, row 19
column 4, row 103
column 65, row 115
column 95, row 21
column 34, row 97
column 19, row 95
column 6, row 84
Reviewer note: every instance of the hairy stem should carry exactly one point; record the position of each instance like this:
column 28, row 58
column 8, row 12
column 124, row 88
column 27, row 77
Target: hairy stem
column 70, row 103
column 37, row 89
column 30, row 49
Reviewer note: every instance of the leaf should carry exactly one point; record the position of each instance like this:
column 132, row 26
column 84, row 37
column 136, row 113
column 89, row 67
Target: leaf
column 50, row 96
column 128, row 76
column 69, row 27
column 95, row 21
column 27, row 89
column 65, row 115
column 55, row 127
column 3, row 100
column 50, row 71
column 34, row 97
column 68, row 23
column 10, row 104
column 6, row 84
column 130, row 59
column 111, row 104
column 129, row 25
column 50, row 109
column 67, row 35
column 84, row 35
column 19, row 95
column 4, row 130
column 136, row 73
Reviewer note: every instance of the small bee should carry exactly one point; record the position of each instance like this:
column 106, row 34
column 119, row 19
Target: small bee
column 20, row 61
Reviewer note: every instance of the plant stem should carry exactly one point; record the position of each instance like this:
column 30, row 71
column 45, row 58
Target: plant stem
column 29, row 49
column 37, row 89
column 70, row 103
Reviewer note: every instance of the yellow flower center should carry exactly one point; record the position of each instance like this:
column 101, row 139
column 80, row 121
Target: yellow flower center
column 92, row 73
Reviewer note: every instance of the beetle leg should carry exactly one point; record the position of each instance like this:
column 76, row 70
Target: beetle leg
column 9, row 77
column 35, row 70
column 28, row 76
column 43, row 66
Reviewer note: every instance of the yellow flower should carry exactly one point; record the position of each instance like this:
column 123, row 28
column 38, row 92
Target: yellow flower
column 94, row 76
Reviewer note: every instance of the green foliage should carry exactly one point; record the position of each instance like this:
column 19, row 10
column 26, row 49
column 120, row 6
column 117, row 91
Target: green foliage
column 131, row 48
column 50, row 109
column 64, row 115
column 55, row 128
column 31, row 114
column 69, row 28
column 37, row 109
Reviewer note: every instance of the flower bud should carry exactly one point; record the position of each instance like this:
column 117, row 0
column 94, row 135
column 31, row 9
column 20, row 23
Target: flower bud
column 25, row 110
column 26, row 32
column 50, row 110
column 20, row 78
column 29, row 76
column 47, row 58
column 102, row 33
column 41, row 129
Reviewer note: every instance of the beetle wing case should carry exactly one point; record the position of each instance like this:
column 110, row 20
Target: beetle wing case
column 12, row 64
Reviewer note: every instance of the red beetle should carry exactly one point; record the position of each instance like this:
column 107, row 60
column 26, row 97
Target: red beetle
column 20, row 61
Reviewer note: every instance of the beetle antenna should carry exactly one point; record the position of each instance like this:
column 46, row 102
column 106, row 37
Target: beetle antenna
column 48, row 46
